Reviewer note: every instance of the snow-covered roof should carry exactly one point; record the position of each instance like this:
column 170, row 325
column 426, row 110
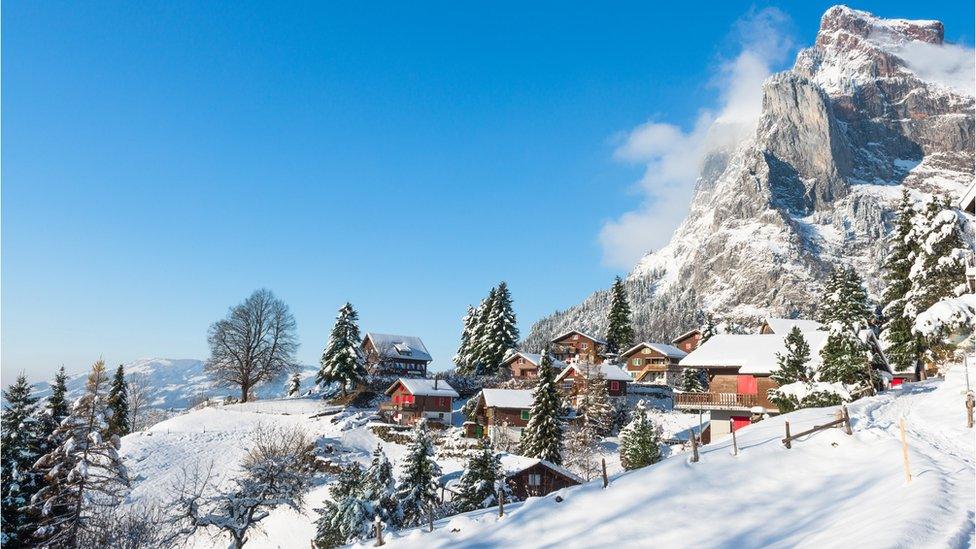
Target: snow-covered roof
column 584, row 334
column 392, row 346
column 609, row 371
column 513, row 465
column 669, row 351
column 684, row 335
column 534, row 358
column 507, row 398
column 424, row 387
column 968, row 201
column 783, row 326
column 752, row 353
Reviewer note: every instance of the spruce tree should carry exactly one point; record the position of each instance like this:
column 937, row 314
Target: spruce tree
column 464, row 359
column 344, row 517
column 639, row 441
column 845, row 300
column 620, row 332
column 901, row 345
column 795, row 364
column 379, row 489
column 342, row 361
column 417, row 486
column 480, row 340
column 57, row 404
column 118, row 403
column 21, row 444
column 500, row 333
column 295, row 384
column 543, row 435
column 708, row 328
column 846, row 312
column 844, row 357
column 84, row 472
column 479, row 484
column 593, row 399
column 694, row 380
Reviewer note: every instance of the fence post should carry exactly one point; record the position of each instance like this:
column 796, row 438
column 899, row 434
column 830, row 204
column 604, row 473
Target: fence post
column 970, row 404
column 430, row 519
column 870, row 378
column 603, row 463
column 694, row 448
column 501, row 503
column 735, row 445
column 379, row 531
column 847, row 421
column 786, row 441
column 904, row 450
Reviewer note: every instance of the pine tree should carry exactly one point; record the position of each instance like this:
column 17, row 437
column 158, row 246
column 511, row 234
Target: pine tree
column 379, row 489
column 56, row 407
column 353, row 516
column 901, row 345
column 118, row 402
column 417, row 486
column 480, row 340
column 844, row 357
column 84, row 473
column 845, row 300
column 333, row 525
column 479, row 484
column 639, row 441
column 295, row 384
column 500, row 332
column 846, row 312
column 795, row 364
column 464, row 359
column 593, row 399
column 21, row 444
column 694, row 380
column 708, row 328
column 620, row 332
column 342, row 362
column 543, row 435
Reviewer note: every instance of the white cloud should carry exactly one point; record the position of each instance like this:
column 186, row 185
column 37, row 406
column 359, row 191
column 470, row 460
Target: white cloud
column 947, row 64
column 673, row 157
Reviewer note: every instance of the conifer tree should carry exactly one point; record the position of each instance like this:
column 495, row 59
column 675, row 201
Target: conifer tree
column 639, row 441
column 417, row 486
column 295, row 384
column 379, row 489
column 342, row 361
column 708, row 328
column 500, row 333
column 337, row 524
column 84, row 472
column 901, row 345
column 479, row 484
column 480, row 340
column 118, row 402
column 620, row 332
column 795, row 364
column 845, row 300
column 543, row 434
column 593, row 399
column 57, row 404
column 464, row 359
column 844, row 357
column 846, row 312
column 353, row 516
column 21, row 445
column 694, row 380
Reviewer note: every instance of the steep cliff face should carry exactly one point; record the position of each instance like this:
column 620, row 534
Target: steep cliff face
column 840, row 135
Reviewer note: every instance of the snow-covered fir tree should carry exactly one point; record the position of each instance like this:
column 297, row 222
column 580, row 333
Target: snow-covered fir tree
column 620, row 331
column 21, row 444
column 694, row 380
column 294, row 384
column 479, row 333
column 844, row 357
column 593, row 399
column 639, row 440
column 482, row 478
column 330, row 531
column 708, row 328
column 795, row 364
column 465, row 357
column 379, row 489
column 354, row 515
column 901, row 345
column 118, row 402
column 417, row 485
column 84, row 472
column 342, row 361
column 845, row 300
column 54, row 411
column 500, row 333
column 543, row 434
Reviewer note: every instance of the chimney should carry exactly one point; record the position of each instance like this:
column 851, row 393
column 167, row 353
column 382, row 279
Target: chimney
column 435, row 382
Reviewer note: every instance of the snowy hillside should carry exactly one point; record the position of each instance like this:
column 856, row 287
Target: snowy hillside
column 829, row 490
column 860, row 116
column 173, row 384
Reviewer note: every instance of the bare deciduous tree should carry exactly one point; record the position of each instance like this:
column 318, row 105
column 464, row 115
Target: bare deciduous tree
column 138, row 385
column 255, row 344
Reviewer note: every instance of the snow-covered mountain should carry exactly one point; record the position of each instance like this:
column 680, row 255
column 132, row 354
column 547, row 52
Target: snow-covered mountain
column 873, row 107
column 174, row 384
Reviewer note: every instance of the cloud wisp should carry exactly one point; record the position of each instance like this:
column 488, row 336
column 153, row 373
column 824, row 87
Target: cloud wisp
column 672, row 157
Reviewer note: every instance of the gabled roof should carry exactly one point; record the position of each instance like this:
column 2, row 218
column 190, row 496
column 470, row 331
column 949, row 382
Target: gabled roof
column 584, row 334
column 513, row 465
column 424, row 387
column 967, row 202
column 667, row 350
column 685, row 335
column 782, row 326
column 508, row 398
column 752, row 353
column 392, row 346
column 609, row 371
column 534, row 358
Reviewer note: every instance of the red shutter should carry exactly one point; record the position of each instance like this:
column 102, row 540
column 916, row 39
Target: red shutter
column 614, row 385
column 748, row 385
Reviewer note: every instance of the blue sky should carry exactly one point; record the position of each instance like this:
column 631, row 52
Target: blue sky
column 161, row 160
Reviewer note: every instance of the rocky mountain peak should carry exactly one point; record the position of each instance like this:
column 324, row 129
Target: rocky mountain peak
column 865, row 25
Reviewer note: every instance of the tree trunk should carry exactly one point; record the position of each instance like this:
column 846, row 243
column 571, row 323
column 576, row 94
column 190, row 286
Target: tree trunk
column 244, row 390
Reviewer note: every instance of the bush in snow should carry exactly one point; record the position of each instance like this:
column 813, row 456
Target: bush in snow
column 639, row 441
column 481, row 480
column 417, row 486
column 342, row 361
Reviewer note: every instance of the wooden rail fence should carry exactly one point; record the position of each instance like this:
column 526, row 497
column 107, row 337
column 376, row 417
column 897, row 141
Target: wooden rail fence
column 844, row 420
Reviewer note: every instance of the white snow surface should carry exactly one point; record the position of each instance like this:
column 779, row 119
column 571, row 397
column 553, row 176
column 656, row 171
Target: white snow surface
column 426, row 387
column 783, row 326
column 609, row 371
column 829, row 490
column 508, row 398
column 754, row 353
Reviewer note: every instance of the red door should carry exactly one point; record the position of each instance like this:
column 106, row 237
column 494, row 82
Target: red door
column 748, row 385
column 897, row 381
column 739, row 422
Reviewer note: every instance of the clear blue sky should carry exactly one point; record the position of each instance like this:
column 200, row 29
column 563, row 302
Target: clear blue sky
column 161, row 160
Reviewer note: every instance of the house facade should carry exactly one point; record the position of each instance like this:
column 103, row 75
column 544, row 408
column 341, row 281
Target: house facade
column 500, row 412
column 412, row 399
column 390, row 354
column 616, row 378
column 688, row 341
column 532, row 477
column 653, row 363
column 577, row 345
column 526, row 365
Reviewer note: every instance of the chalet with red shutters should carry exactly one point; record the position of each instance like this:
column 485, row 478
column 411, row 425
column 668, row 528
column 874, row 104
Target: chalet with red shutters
column 653, row 363
column 577, row 345
column 500, row 409
column 616, row 378
column 389, row 354
column 412, row 399
column 688, row 341
column 526, row 365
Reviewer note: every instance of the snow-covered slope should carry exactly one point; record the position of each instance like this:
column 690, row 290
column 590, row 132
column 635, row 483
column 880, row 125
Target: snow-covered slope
column 174, row 384
column 829, row 490
column 860, row 116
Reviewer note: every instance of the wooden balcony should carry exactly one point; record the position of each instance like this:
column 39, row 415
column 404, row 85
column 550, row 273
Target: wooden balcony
column 715, row 401
column 392, row 406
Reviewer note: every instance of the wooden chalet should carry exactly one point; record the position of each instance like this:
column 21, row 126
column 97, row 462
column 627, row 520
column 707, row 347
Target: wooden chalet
column 526, row 365
column 412, row 399
column 615, row 377
column 576, row 345
column 654, row 363
column 499, row 409
column 688, row 341
column 533, row 477
column 389, row 354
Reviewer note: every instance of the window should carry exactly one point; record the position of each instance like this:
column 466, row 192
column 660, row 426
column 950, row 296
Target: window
column 408, row 399
column 525, row 415
column 521, row 360
column 584, row 345
column 646, row 351
column 636, row 362
column 614, row 385
column 575, row 337
column 535, row 479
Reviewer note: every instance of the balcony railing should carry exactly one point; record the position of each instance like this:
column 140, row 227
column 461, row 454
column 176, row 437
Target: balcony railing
column 715, row 401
